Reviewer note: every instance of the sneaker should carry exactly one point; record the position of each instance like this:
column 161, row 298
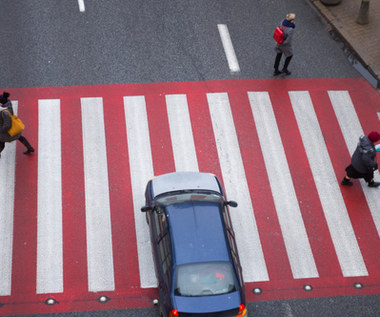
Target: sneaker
column 347, row 182
column 276, row 72
column 374, row 184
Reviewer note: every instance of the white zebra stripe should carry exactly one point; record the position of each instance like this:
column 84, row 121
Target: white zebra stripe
column 352, row 130
column 141, row 165
column 49, row 199
column 7, row 191
column 235, row 183
column 98, row 217
column 185, row 157
column 288, row 211
column 342, row 233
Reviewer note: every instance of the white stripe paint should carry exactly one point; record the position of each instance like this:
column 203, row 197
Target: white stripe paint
column 342, row 233
column 352, row 130
column 7, row 187
column 49, row 199
column 81, row 5
column 98, row 218
column 141, row 165
column 228, row 48
column 181, row 133
column 289, row 214
column 235, row 182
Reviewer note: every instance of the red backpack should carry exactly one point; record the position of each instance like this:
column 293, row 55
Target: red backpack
column 278, row 35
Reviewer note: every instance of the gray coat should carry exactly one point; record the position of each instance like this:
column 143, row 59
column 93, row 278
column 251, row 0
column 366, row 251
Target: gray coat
column 6, row 123
column 364, row 157
column 286, row 46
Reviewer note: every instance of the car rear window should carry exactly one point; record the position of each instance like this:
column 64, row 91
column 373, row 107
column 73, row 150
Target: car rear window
column 205, row 279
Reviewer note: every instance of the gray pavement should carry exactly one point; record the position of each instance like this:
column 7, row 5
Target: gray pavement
column 363, row 40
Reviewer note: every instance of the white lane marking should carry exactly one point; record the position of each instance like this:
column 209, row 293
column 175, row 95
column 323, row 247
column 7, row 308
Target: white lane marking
column 181, row 133
column 98, row 215
column 81, row 5
column 352, row 130
column 49, row 199
column 235, row 182
column 338, row 221
column 288, row 211
column 228, row 48
column 141, row 166
column 7, row 191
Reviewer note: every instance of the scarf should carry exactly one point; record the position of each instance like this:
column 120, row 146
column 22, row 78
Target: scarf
column 288, row 24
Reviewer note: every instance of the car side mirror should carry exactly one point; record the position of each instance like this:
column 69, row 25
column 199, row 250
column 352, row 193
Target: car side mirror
column 146, row 208
column 231, row 203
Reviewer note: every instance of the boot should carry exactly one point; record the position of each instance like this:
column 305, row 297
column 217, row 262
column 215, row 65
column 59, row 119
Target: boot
column 346, row 181
column 24, row 141
column 373, row 184
column 29, row 150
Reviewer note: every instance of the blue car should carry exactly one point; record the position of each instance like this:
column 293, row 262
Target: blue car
column 195, row 254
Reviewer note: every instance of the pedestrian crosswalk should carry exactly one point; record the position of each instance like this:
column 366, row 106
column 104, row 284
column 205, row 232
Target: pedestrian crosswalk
column 70, row 220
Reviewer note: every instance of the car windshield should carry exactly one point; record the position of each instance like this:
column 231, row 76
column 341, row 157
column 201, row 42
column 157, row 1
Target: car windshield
column 181, row 196
column 205, row 279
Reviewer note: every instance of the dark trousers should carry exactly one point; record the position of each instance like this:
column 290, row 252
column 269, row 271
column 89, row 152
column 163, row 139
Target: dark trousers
column 22, row 139
column 278, row 59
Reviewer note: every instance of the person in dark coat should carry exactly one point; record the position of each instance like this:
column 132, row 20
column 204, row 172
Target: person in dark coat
column 363, row 161
column 287, row 26
column 6, row 109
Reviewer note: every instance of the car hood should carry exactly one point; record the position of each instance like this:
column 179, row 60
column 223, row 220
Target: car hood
column 207, row 304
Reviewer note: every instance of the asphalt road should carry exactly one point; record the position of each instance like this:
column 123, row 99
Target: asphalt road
column 52, row 43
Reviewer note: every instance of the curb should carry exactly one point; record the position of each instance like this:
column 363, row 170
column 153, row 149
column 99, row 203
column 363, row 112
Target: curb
column 338, row 31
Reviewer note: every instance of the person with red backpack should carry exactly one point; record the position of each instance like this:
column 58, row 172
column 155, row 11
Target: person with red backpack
column 6, row 113
column 284, row 46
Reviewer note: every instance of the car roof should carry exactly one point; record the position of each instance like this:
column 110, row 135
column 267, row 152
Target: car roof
column 197, row 232
column 184, row 181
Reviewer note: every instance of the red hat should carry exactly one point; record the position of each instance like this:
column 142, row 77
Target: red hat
column 374, row 136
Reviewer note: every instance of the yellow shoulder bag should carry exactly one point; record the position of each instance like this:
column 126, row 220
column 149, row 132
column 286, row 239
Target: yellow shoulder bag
column 17, row 125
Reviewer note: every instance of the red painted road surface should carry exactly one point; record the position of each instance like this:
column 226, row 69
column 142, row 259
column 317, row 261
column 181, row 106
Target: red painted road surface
column 128, row 293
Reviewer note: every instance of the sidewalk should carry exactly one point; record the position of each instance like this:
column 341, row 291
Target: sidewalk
column 364, row 40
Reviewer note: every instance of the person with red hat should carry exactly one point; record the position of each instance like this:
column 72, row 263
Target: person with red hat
column 363, row 161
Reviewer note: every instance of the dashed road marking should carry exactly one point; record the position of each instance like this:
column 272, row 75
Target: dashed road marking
column 81, row 5
column 228, row 48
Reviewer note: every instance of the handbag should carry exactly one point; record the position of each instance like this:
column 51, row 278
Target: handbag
column 17, row 125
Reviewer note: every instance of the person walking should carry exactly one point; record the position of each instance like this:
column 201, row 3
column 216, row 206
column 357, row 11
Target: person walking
column 363, row 161
column 6, row 110
column 287, row 26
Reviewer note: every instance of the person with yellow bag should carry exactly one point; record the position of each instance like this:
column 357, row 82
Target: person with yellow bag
column 11, row 126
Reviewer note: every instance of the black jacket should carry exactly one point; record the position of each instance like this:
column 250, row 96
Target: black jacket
column 364, row 157
column 6, row 123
